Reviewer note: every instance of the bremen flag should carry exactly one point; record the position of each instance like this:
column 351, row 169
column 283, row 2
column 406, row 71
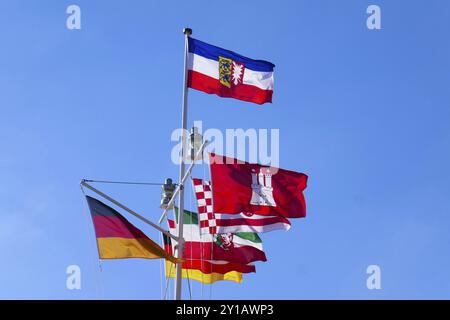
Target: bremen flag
column 227, row 74
column 206, row 271
column 119, row 239
column 211, row 222
column 239, row 186
column 242, row 248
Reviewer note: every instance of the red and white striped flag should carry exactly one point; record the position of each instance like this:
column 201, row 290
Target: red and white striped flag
column 214, row 223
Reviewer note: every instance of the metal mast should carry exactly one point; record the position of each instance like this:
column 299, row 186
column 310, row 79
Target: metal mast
column 178, row 281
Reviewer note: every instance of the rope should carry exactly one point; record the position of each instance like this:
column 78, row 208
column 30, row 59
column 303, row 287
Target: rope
column 161, row 279
column 168, row 280
column 211, row 265
column 190, row 218
column 96, row 262
column 189, row 284
column 126, row 182
column 212, row 245
column 200, row 233
column 210, row 291
column 100, row 280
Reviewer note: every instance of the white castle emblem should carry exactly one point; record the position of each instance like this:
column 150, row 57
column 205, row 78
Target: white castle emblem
column 262, row 194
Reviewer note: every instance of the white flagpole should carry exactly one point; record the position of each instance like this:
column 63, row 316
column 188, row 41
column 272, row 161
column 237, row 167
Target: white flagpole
column 187, row 32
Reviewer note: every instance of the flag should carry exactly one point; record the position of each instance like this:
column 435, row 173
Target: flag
column 119, row 239
column 239, row 186
column 211, row 222
column 242, row 248
column 206, row 271
column 203, row 277
column 227, row 74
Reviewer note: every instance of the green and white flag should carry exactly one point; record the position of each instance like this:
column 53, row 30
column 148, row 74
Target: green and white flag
column 242, row 247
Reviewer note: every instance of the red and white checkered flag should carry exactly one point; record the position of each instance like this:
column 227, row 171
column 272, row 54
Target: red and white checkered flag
column 213, row 223
column 207, row 219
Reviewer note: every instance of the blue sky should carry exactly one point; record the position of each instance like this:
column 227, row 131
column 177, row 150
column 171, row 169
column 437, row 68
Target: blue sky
column 364, row 113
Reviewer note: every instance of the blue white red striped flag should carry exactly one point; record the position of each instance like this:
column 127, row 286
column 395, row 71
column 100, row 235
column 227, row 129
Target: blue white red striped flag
column 227, row 74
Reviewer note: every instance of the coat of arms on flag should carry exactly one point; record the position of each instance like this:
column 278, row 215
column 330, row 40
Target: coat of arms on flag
column 231, row 73
column 240, row 247
column 262, row 190
column 239, row 187
column 228, row 74
column 209, row 258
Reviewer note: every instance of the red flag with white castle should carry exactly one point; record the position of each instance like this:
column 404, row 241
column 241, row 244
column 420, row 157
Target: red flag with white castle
column 213, row 223
column 240, row 186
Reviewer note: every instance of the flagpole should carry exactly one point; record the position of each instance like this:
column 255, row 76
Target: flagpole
column 178, row 282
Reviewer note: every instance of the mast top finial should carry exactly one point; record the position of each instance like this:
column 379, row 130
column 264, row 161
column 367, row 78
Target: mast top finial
column 187, row 31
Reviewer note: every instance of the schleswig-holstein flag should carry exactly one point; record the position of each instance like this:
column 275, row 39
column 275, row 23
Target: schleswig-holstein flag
column 227, row 74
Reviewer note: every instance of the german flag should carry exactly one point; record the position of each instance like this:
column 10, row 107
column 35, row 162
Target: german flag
column 119, row 239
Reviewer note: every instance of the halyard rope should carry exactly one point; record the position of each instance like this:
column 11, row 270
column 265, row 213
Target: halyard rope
column 126, row 182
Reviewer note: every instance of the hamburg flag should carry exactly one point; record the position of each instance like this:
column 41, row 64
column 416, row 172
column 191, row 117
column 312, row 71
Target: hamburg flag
column 238, row 186
column 227, row 74
column 119, row 239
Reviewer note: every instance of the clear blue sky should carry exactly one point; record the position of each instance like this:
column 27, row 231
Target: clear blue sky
column 364, row 113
